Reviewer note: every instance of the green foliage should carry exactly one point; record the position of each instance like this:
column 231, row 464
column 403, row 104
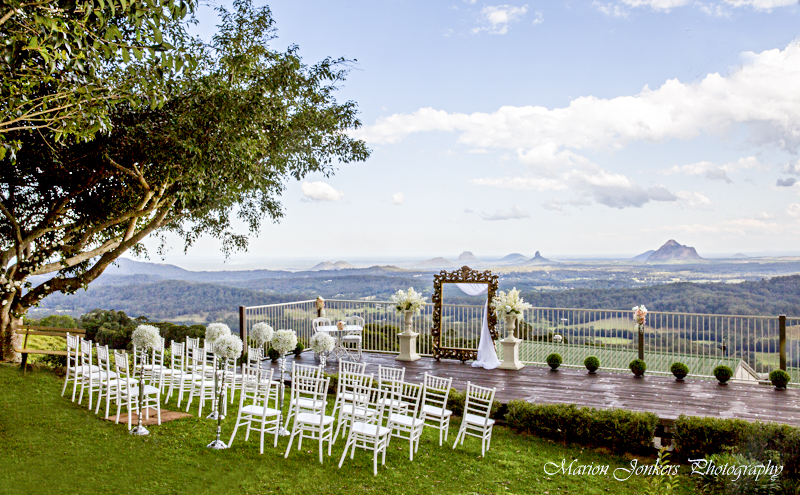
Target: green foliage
column 172, row 332
column 273, row 354
column 680, row 370
column 554, row 361
column 616, row 429
column 638, row 366
column 54, row 321
column 298, row 349
column 723, row 373
column 457, row 399
column 666, row 482
column 779, row 378
column 591, row 363
column 696, row 437
column 109, row 327
column 735, row 480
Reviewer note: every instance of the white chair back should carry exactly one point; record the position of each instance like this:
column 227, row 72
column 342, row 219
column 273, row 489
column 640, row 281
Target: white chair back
column 351, row 367
column 436, row 391
column 320, row 322
column 178, row 358
column 479, row 401
column 354, row 320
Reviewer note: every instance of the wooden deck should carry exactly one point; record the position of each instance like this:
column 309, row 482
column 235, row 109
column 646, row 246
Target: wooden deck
column 658, row 394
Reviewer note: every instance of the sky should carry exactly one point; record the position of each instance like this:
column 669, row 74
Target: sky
column 576, row 129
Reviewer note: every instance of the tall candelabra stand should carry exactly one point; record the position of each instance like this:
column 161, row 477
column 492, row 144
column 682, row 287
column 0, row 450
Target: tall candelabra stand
column 282, row 431
column 139, row 429
column 218, row 444
column 322, row 359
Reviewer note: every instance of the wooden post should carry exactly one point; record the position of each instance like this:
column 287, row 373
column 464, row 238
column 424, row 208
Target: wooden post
column 243, row 326
column 641, row 345
column 782, row 348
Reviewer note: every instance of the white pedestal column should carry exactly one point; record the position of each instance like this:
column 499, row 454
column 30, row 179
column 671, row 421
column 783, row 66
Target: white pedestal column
column 408, row 347
column 511, row 354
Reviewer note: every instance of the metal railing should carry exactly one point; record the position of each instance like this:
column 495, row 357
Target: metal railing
column 750, row 345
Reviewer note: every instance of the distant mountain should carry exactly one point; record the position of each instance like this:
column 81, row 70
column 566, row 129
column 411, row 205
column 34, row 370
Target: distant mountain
column 672, row 251
column 513, row 258
column 436, row 263
column 740, row 256
column 125, row 266
column 643, row 256
column 330, row 265
column 467, row 256
column 538, row 260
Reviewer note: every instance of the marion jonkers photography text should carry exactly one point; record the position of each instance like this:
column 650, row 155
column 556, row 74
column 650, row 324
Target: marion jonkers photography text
column 699, row 466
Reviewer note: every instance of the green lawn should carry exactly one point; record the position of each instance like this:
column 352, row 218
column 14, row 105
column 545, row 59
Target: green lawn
column 50, row 445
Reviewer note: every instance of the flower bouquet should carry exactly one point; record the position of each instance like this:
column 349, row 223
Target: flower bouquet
column 409, row 300
column 322, row 343
column 261, row 333
column 639, row 316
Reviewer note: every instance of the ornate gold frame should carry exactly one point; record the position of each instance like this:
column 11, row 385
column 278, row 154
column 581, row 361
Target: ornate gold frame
column 463, row 275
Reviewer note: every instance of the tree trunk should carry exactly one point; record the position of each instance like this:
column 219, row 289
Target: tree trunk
column 8, row 335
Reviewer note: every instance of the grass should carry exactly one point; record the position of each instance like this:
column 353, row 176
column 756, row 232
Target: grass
column 51, row 445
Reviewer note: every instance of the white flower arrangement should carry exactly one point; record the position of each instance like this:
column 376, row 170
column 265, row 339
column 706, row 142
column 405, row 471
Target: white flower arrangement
column 261, row 333
column 509, row 304
column 409, row 300
column 639, row 316
column 228, row 347
column 215, row 331
column 321, row 342
column 284, row 341
column 146, row 337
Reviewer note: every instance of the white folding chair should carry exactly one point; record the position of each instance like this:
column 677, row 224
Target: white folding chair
column 254, row 408
column 108, row 379
column 311, row 424
column 346, row 388
column 301, row 370
column 73, row 365
column 128, row 391
column 353, row 340
column 403, row 420
column 476, row 421
column 366, row 429
column 433, row 410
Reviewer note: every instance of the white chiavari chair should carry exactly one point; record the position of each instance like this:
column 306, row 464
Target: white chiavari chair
column 353, row 340
column 403, row 417
column 433, row 410
column 89, row 374
column 366, row 429
column 176, row 373
column 346, row 367
column 73, row 364
column 302, row 370
column 128, row 391
column 201, row 384
column 313, row 424
column 476, row 421
column 254, row 405
column 346, row 389
column 108, row 379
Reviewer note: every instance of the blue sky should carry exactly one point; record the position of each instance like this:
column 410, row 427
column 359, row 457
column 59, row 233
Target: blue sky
column 572, row 128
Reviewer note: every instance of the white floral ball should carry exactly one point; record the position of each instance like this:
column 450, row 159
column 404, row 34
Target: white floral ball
column 261, row 333
column 215, row 331
column 146, row 337
column 284, row 341
column 321, row 342
column 228, row 347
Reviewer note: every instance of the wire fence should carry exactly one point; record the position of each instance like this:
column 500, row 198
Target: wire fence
column 749, row 345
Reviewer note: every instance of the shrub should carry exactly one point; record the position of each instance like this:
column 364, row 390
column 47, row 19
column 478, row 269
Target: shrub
column 622, row 430
column 554, row 361
column 273, row 354
column 696, row 437
column 713, row 482
column 299, row 349
column 779, row 378
column 638, row 367
column 591, row 363
column 457, row 399
column 680, row 370
column 723, row 374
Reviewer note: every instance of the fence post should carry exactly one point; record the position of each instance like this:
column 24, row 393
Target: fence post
column 782, row 348
column 243, row 325
column 641, row 346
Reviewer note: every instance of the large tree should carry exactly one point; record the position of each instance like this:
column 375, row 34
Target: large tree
column 241, row 123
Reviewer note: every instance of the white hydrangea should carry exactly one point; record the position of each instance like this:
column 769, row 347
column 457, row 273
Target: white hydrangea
column 410, row 300
column 322, row 342
column 228, row 347
column 510, row 304
column 215, row 331
column 261, row 333
column 146, row 337
column 284, row 341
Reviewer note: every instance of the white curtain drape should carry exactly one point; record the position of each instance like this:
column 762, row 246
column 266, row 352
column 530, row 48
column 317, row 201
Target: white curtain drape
column 487, row 356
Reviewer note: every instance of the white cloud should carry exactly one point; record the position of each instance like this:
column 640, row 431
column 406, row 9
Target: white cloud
column 398, row 198
column 611, row 9
column 793, row 210
column 662, row 5
column 539, row 18
column 760, row 4
column 522, row 183
column 693, row 200
column 498, row 17
column 320, row 191
column 787, row 182
column 760, row 96
column 516, row 213
column 791, row 168
column 713, row 171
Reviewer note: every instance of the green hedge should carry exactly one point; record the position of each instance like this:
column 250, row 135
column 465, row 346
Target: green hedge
column 616, row 429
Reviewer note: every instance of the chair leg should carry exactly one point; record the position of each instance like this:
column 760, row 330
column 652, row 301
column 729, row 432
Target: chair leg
column 66, row 380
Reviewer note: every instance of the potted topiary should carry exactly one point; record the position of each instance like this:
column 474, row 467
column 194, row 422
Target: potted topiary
column 298, row 350
column 779, row 378
column 273, row 354
column 592, row 364
column 680, row 371
column 554, row 361
column 723, row 374
column 638, row 367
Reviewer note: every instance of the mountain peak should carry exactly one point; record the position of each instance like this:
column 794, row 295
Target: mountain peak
column 674, row 251
column 467, row 256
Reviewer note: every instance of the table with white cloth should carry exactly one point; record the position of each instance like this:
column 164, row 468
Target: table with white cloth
column 340, row 350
